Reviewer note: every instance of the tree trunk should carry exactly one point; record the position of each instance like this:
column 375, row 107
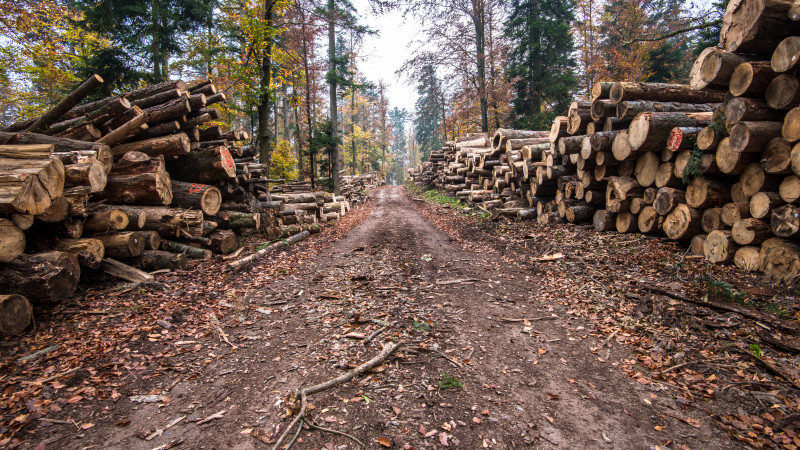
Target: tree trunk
column 662, row 92
column 650, row 131
column 712, row 220
column 152, row 260
column 750, row 231
column 203, row 166
column 191, row 252
column 170, row 146
column 777, row 157
column 16, row 314
column 139, row 179
column 89, row 251
column 756, row 26
column 790, row 189
column 224, row 241
column 705, row 193
column 192, row 195
column 122, row 245
column 751, row 79
column 604, row 220
column 45, row 279
column 627, row 222
column 121, row 270
column 630, row 109
column 231, row 220
column 109, row 219
column 90, row 173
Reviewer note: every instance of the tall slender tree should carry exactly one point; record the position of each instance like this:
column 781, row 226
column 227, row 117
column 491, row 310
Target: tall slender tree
column 540, row 60
column 428, row 118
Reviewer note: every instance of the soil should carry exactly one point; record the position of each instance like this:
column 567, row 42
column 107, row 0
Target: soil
column 506, row 344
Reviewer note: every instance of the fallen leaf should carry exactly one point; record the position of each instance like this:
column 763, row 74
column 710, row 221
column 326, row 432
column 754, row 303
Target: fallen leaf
column 443, row 439
column 86, row 426
column 384, row 441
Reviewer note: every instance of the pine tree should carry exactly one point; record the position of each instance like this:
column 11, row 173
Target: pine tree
column 541, row 59
column 143, row 34
column 427, row 120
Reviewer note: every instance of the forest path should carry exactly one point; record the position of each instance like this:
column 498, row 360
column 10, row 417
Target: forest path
column 537, row 383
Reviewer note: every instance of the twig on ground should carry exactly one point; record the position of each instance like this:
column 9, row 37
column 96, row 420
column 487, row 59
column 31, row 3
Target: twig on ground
column 613, row 335
column 375, row 334
column 340, row 433
column 220, row 333
column 524, row 319
column 344, row 378
column 216, row 415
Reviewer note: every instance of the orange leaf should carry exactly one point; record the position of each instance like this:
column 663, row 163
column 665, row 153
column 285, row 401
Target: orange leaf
column 384, row 441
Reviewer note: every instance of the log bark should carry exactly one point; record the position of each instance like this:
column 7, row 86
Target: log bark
column 649, row 131
column 171, row 110
column 231, row 220
column 122, row 245
column 265, row 251
column 152, row 240
column 193, row 195
column 604, row 220
column 224, row 241
column 204, row 166
column 780, row 259
column 152, row 260
column 602, row 108
column 89, row 251
column 139, row 179
column 705, row 193
column 16, row 314
column 125, row 130
column 756, row 26
column 170, row 146
column 753, row 137
column 108, row 220
column 559, row 128
column 162, row 129
column 712, row 220
column 91, row 173
column 630, row 109
column 121, row 270
column 45, row 279
column 168, row 221
column 662, row 92
column 682, row 223
column 188, row 250
column 159, row 98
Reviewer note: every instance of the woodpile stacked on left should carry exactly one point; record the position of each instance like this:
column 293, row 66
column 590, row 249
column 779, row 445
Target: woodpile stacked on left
column 124, row 184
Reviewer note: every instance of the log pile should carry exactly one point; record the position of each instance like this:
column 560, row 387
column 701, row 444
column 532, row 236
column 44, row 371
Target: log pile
column 715, row 163
column 356, row 187
column 133, row 182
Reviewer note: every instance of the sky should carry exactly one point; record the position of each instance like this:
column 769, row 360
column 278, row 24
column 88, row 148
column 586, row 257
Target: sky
column 382, row 54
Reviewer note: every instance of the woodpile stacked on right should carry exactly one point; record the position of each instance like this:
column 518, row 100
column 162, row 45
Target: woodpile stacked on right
column 728, row 181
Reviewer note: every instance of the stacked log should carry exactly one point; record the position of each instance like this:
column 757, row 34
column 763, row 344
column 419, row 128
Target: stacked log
column 721, row 172
column 122, row 183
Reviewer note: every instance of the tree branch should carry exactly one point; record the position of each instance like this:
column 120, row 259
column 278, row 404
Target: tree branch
column 701, row 26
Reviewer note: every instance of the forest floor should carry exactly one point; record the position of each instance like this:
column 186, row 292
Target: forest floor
column 512, row 336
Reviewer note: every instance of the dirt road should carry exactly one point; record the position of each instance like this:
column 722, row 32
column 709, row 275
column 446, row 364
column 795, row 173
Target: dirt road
column 542, row 381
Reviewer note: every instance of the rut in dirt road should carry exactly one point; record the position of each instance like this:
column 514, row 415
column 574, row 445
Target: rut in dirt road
column 524, row 383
